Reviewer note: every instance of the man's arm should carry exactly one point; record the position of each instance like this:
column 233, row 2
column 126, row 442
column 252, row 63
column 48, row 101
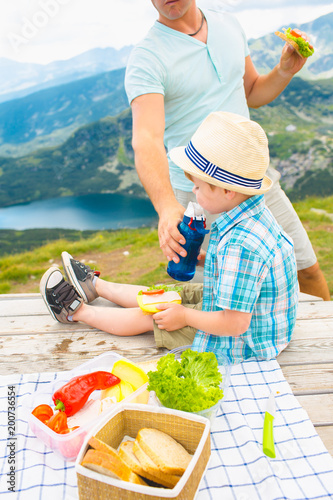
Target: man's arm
column 262, row 89
column 220, row 323
column 153, row 169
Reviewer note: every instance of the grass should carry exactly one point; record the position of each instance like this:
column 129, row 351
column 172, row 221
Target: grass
column 134, row 256
column 320, row 230
column 128, row 256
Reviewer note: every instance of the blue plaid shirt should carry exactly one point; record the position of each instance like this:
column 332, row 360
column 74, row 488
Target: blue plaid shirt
column 250, row 266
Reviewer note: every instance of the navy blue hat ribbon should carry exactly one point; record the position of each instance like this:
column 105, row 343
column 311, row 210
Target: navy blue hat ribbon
column 217, row 172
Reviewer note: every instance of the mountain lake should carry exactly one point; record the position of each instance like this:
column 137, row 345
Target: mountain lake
column 95, row 211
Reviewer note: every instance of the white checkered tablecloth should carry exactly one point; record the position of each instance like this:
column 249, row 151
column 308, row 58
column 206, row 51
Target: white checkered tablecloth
column 238, row 469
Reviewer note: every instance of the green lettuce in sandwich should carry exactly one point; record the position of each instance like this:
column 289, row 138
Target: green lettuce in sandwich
column 302, row 47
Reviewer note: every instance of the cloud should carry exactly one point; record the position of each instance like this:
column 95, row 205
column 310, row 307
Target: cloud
column 239, row 5
column 61, row 29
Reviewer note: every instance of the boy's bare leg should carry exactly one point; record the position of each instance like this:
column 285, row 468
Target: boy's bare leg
column 123, row 295
column 118, row 321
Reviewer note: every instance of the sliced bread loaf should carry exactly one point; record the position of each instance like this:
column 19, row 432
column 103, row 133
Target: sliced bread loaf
column 169, row 455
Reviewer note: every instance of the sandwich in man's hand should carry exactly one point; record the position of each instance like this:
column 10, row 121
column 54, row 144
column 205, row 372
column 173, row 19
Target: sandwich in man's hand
column 296, row 40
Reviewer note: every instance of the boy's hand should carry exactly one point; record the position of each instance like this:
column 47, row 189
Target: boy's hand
column 171, row 317
column 201, row 258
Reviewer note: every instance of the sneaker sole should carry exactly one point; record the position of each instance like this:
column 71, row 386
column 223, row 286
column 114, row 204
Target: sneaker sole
column 42, row 289
column 70, row 275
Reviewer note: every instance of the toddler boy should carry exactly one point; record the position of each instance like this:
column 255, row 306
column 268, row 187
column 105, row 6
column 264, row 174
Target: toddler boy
column 248, row 302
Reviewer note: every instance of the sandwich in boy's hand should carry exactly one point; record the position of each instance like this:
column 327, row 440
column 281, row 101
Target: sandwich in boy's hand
column 148, row 299
column 302, row 47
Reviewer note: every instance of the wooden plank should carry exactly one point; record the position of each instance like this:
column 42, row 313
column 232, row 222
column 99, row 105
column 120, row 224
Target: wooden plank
column 312, row 342
column 31, row 305
column 319, row 407
column 326, row 435
column 315, row 310
column 305, row 297
column 62, row 351
column 309, row 378
column 23, row 325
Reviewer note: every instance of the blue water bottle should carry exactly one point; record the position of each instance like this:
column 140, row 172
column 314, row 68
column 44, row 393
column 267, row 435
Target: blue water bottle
column 193, row 228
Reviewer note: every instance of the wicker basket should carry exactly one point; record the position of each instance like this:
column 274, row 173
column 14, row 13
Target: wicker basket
column 190, row 430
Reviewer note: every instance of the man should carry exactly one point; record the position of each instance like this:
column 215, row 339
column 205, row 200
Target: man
column 190, row 64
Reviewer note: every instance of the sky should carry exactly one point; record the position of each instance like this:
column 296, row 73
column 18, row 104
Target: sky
column 42, row 31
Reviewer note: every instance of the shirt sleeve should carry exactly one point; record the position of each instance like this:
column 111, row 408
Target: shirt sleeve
column 240, row 276
column 145, row 74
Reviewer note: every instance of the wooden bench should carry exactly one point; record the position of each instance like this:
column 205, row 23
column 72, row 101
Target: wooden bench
column 31, row 341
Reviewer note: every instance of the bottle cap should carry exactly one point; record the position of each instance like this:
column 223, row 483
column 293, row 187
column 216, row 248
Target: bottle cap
column 195, row 211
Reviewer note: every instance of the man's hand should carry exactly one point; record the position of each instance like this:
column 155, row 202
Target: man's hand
column 291, row 62
column 171, row 317
column 169, row 236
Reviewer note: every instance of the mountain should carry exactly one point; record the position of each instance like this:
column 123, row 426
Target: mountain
column 20, row 79
column 266, row 51
column 299, row 125
column 97, row 158
column 48, row 117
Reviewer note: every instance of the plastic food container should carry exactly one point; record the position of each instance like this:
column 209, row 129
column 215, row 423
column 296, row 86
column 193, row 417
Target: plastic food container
column 224, row 369
column 68, row 445
column 190, row 430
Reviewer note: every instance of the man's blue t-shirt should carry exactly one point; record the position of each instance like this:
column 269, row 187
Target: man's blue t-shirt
column 195, row 78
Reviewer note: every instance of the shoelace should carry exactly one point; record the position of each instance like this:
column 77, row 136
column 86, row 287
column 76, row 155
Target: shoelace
column 87, row 269
column 64, row 293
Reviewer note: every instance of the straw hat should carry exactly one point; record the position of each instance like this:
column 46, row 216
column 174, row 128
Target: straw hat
column 229, row 151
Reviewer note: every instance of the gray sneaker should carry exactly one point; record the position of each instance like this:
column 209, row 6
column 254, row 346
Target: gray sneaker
column 80, row 276
column 60, row 297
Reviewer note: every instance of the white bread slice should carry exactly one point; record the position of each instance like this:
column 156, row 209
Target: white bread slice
column 146, row 462
column 126, row 452
column 288, row 40
column 169, row 456
column 97, row 444
column 112, row 466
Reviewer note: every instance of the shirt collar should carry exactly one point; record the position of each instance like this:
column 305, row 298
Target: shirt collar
column 180, row 34
column 250, row 207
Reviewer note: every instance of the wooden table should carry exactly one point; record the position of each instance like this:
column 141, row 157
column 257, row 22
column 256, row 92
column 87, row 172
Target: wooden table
column 31, row 341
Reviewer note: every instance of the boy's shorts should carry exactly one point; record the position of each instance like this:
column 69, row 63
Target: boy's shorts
column 191, row 297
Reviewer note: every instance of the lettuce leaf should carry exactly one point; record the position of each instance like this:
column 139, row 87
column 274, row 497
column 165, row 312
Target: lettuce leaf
column 192, row 385
column 166, row 288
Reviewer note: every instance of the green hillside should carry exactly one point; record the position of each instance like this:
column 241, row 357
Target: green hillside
column 299, row 125
column 25, row 255
column 97, row 158
column 48, row 117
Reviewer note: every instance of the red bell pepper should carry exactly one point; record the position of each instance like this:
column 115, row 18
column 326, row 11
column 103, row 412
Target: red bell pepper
column 43, row 413
column 71, row 397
